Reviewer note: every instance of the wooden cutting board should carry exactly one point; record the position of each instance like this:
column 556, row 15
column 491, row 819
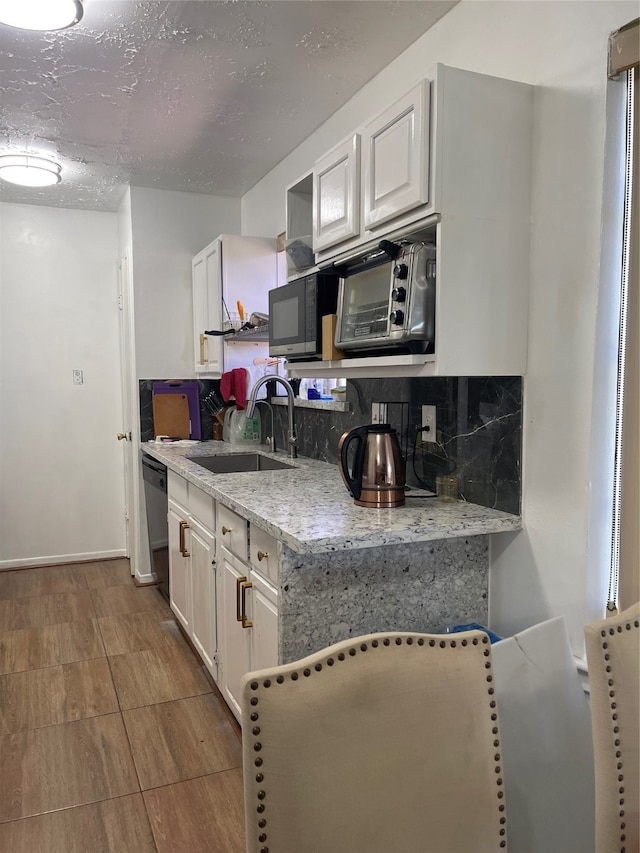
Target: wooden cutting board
column 171, row 415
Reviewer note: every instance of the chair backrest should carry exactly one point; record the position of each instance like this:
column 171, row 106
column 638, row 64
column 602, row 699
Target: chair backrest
column 387, row 743
column 613, row 655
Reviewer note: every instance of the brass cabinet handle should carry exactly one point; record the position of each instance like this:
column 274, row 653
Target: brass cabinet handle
column 226, row 530
column 184, row 525
column 239, row 581
column 244, row 587
column 203, row 339
column 124, row 436
column 263, row 555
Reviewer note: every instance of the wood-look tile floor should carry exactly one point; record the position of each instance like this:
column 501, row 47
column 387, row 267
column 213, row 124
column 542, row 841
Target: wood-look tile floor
column 112, row 739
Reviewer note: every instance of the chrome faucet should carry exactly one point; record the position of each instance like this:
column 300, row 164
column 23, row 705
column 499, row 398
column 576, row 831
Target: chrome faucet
column 292, row 439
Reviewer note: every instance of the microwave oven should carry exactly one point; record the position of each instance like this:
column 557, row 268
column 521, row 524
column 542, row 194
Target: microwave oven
column 386, row 300
column 296, row 310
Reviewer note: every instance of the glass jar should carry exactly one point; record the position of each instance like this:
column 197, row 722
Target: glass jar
column 447, row 487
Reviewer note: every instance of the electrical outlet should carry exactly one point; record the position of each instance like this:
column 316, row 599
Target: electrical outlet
column 78, row 377
column 379, row 413
column 428, row 424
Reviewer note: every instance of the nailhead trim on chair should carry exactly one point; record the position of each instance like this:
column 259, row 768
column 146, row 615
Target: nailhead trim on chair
column 616, row 729
column 257, row 746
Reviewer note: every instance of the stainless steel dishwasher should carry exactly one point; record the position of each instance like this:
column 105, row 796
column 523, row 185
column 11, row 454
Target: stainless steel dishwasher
column 154, row 475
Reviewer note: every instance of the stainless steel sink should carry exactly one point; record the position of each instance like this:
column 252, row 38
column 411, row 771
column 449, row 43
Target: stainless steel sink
column 239, row 462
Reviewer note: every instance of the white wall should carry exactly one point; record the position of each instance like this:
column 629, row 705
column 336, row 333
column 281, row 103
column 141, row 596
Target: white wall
column 61, row 472
column 561, row 48
column 169, row 228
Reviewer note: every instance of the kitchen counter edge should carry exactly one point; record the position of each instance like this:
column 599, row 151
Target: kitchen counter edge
column 331, row 521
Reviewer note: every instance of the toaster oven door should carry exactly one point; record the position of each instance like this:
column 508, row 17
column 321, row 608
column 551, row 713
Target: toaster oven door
column 363, row 308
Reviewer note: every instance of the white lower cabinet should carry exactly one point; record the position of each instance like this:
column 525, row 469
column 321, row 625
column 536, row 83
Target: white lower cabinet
column 235, row 641
column 248, row 620
column 192, row 567
column 264, row 615
column 202, row 545
column 179, row 565
column 222, row 591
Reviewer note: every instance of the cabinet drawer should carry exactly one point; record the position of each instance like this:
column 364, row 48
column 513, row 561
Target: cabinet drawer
column 178, row 488
column 263, row 553
column 231, row 531
column 202, row 507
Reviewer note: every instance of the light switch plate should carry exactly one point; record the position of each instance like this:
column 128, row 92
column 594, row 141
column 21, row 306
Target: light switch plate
column 78, row 377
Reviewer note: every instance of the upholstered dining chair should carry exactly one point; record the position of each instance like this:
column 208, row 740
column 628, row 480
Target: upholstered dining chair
column 387, row 743
column 613, row 657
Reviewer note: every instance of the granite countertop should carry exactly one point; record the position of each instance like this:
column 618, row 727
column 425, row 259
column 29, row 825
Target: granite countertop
column 309, row 509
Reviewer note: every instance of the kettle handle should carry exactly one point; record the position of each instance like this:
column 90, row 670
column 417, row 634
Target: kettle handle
column 353, row 482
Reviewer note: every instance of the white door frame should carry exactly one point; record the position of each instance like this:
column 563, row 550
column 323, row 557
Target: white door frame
column 137, row 544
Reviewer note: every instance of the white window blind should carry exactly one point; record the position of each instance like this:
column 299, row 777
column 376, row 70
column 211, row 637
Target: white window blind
column 624, row 580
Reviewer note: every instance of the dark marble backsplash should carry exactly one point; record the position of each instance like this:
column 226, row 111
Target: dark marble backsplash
column 479, row 430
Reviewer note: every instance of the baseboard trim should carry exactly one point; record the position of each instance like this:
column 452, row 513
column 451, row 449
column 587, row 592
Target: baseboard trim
column 61, row 559
column 143, row 582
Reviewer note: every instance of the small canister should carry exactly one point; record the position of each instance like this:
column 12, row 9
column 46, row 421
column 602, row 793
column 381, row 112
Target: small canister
column 447, row 487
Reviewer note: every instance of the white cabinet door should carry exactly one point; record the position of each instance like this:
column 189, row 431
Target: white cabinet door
column 396, row 158
column 235, row 641
column 203, row 585
column 264, row 633
column 229, row 270
column 179, row 565
column 207, row 308
column 336, row 193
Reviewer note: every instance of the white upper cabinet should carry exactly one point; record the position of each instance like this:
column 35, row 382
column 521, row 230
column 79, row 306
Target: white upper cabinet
column 395, row 159
column 207, row 308
column 449, row 163
column 229, row 270
column 457, row 144
column 336, row 195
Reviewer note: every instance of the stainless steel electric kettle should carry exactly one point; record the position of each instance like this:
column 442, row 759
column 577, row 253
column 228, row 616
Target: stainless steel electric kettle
column 378, row 472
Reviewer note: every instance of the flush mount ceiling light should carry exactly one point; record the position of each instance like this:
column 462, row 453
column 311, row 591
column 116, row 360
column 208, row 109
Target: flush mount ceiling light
column 40, row 14
column 29, row 171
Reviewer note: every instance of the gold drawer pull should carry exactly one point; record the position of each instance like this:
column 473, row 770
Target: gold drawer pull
column 244, row 586
column 263, row 555
column 239, row 581
column 184, row 525
column 203, row 339
column 226, row 530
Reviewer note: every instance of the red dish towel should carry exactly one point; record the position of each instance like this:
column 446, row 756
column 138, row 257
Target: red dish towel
column 234, row 384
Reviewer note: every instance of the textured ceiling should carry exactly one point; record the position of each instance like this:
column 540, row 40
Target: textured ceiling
column 195, row 95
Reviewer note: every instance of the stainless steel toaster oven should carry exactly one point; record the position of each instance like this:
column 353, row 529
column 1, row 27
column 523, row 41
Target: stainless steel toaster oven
column 386, row 300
